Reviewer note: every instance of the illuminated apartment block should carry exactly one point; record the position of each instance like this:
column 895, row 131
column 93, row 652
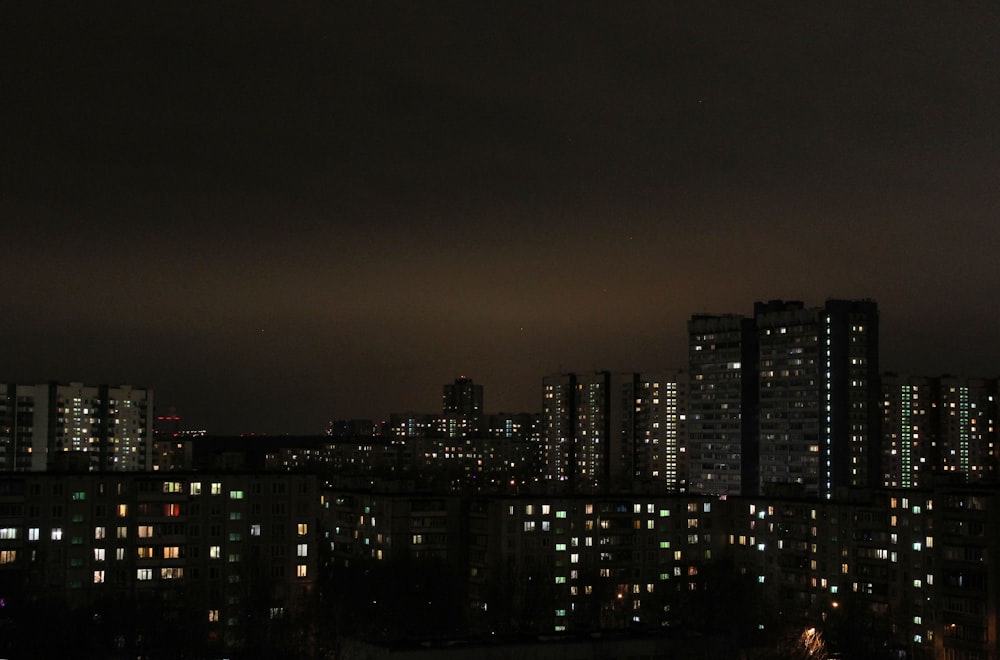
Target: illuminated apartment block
column 788, row 399
column 461, row 409
column 722, row 446
column 589, row 429
column 658, row 454
column 818, row 395
column 558, row 427
column 938, row 426
column 21, row 450
column 76, row 426
column 613, row 563
column 463, row 397
column 910, row 452
column 221, row 557
column 967, row 431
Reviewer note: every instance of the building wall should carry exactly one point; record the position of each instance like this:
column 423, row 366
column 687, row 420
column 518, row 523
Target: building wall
column 660, row 436
column 722, row 440
column 905, row 567
column 76, row 426
column 210, row 550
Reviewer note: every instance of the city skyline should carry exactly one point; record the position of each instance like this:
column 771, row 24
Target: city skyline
column 274, row 217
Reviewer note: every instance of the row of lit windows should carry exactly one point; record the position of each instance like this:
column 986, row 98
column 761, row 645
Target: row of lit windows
column 545, row 509
column 142, row 531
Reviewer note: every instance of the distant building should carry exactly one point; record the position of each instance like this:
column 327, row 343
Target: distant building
column 607, row 431
column 411, row 425
column 819, row 415
column 352, row 428
column 585, row 420
column 461, row 409
column 938, row 426
column 463, row 397
column 909, row 448
column 967, row 431
column 723, row 445
column 787, row 399
column 75, row 426
column 659, row 441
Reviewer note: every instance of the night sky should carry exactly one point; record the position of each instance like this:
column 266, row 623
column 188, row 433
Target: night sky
column 277, row 214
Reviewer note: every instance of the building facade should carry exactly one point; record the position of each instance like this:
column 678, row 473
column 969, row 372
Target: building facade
column 658, row 452
column 77, row 426
column 786, row 399
column 211, row 552
column 943, row 426
column 723, row 445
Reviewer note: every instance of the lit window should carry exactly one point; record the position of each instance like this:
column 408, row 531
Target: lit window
column 143, row 574
column 236, row 494
column 99, row 554
column 215, row 551
column 33, row 534
column 171, row 552
column 8, row 533
column 302, row 550
column 121, row 532
column 300, row 570
column 196, row 488
column 100, row 532
column 213, row 616
column 303, row 529
column 145, row 531
column 254, row 530
column 216, row 488
column 171, row 573
column 8, row 556
column 98, row 577
column 57, row 533
column 122, row 510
